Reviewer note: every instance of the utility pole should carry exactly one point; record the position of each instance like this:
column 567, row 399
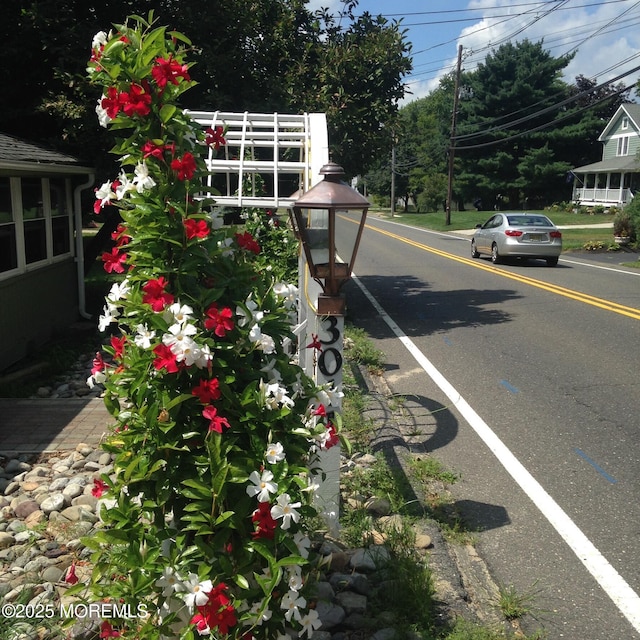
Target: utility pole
column 452, row 141
column 393, row 177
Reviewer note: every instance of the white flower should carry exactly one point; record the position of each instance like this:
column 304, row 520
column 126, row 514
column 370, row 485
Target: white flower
column 109, row 314
column 292, row 602
column 294, row 579
column 105, row 193
column 312, row 485
column 310, row 621
column 144, row 336
column 303, row 543
column 264, row 616
column 262, row 485
column 202, row 356
column 250, row 314
column 178, row 314
column 227, row 247
column 101, row 112
column 266, row 343
column 179, row 338
column 118, row 291
column 197, row 592
column 288, row 293
column 99, row 39
column 275, row 395
column 97, row 378
column 124, row 185
column 286, row 510
column 143, row 180
column 170, row 582
column 275, row 453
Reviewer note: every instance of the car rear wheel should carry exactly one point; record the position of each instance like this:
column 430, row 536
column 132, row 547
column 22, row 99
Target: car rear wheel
column 495, row 256
column 552, row 262
column 474, row 251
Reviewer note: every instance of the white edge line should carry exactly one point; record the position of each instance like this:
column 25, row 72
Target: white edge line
column 614, row 585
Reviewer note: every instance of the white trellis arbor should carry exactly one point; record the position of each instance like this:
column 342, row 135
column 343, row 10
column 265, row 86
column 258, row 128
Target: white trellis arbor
column 267, row 156
column 268, row 160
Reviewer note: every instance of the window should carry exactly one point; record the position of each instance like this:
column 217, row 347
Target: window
column 35, row 222
column 625, row 123
column 623, row 146
column 35, row 225
column 60, row 216
column 8, row 244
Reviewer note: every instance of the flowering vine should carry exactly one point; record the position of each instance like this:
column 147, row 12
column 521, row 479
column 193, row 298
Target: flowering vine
column 206, row 517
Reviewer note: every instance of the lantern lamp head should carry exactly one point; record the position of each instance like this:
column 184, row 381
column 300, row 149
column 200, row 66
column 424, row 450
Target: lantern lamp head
column 313, row 217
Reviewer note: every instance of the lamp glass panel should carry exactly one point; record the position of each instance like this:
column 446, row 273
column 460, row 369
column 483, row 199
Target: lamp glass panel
column 316, row 227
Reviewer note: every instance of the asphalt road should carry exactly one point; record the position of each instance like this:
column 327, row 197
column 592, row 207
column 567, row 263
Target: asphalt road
column 531, row 394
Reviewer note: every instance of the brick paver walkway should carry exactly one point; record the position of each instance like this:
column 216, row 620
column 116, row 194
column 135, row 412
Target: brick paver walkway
column 37, row 425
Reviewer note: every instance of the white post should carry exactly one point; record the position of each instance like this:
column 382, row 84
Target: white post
column 323, row 366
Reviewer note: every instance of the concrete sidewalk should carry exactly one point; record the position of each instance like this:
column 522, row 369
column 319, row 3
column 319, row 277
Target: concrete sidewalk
column 44, row 425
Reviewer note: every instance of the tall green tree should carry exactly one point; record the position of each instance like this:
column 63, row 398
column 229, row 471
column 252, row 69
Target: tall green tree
column 503, row 127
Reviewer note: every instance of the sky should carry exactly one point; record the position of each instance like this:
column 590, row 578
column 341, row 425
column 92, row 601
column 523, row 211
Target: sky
column 605, row 35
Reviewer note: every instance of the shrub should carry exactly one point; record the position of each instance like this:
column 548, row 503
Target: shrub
column 206, row 515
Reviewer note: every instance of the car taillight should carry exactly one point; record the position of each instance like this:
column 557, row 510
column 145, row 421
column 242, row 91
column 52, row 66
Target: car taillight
column 555, row 234
column 514, row 233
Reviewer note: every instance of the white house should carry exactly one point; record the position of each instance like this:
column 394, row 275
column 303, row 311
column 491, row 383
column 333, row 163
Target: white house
column 616, row 177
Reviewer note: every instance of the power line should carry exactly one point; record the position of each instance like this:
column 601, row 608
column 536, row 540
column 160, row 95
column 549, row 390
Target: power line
column 545, row 125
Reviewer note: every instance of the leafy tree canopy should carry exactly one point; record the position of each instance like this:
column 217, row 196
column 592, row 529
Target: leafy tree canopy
column 256, row 56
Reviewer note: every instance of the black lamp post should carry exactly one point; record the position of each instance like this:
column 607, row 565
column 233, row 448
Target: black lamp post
column 314, row 220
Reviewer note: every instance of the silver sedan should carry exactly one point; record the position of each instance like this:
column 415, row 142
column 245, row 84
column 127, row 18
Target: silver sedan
column 517, row 235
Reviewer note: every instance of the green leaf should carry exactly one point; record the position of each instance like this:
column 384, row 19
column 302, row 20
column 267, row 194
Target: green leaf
column 166, row 112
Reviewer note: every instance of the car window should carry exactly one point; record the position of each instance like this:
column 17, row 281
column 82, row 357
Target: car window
column 529, row 221
column 492, row 222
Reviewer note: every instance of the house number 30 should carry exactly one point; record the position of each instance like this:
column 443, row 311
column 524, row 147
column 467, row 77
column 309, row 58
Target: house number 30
column 330, row 360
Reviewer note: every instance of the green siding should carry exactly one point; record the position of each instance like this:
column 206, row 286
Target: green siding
column 33, row 307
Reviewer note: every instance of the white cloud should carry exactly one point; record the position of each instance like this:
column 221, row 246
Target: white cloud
column 607, row 39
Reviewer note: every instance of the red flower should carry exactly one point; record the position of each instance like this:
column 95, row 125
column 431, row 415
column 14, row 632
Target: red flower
column 332, row 438
column 113, row 261
column 155, row 294
column 107, row 631
column 207, row 391
column 98, row 364
column 185, row 166
column 112, row 102
column 218, row 320
column 151, row 149
column 169, row 71
column 248, row 242
column 71, row 577
column 266, row 524
column 315, row 343
column 120, row 237
column 320, row 411
column 136, row 102
column 196, row 228
column 216, row 422
column 218, row 613
column 118, row 345
column 99, row 487
column 165, row 359
column 215, row 137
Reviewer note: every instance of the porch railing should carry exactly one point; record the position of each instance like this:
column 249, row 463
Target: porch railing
column 603, row 196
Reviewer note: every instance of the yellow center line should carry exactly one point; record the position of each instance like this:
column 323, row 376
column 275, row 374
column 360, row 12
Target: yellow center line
column 607, row 305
